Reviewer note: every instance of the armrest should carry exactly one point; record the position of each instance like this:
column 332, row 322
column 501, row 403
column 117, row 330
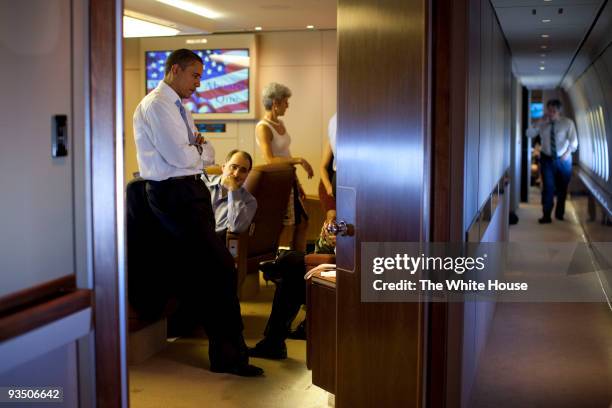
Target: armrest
column 237, row 242
column 312, row 260
column 238, row 246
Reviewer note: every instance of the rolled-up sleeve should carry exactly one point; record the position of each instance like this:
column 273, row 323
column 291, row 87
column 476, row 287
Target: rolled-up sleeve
column 208, row 154
column 241, row 208
column 171, row 143
column 572, row 136
column 532, row 132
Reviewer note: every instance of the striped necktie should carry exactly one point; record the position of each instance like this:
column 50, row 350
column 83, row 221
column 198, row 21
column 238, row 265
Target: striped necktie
column 184, row 116
column 553, row 142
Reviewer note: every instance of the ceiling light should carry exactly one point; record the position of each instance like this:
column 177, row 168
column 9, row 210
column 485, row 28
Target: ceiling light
column 133, row 27
column 542, row 62
column 543, row 55
column 196, row 41
column 543, row 47
column 310, row 27
column 546, row 20
column 545, row 36
column 258, row 28
column 547, row 1
column 542, row 68
column 192, row 8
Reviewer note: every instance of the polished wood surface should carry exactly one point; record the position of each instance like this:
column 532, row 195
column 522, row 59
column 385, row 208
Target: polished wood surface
column 449, row 121
column 36, row 294
column 103, row 77
column 470, row 119
column 321, row 327
column 382, row 95
column 45, row 311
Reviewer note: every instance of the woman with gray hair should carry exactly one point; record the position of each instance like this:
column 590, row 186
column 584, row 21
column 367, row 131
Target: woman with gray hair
column 274, row 140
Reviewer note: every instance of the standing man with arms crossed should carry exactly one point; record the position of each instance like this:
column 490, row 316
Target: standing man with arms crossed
column 559, row 141
column 170, row 160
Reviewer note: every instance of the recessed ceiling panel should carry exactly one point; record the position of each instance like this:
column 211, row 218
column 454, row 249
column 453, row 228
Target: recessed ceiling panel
column 245, row 15
column 544, row 36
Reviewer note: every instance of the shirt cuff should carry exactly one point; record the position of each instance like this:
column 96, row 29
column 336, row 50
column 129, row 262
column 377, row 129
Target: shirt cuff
column 235, row 195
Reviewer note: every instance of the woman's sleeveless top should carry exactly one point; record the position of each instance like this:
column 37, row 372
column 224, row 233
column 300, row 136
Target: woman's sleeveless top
column 279, row 143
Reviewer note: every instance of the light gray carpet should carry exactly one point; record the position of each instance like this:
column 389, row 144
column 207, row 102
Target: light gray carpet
column 546, row 354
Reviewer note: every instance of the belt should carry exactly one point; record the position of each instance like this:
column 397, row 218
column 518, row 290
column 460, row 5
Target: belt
column 549, row 157
column 189, row 177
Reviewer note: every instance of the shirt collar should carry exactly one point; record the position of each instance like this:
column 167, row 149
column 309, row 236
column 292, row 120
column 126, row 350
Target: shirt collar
column 167, row 92
column 216, row 180
column 220, row 188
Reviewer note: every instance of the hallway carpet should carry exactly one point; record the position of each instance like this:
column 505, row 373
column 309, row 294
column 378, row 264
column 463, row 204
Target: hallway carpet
column 556, row 355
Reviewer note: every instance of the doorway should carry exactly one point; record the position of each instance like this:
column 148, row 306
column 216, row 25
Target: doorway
column 285, row 51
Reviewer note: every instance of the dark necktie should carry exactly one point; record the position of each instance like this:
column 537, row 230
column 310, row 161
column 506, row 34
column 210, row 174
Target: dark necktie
column 184, row 116
column 553, row 142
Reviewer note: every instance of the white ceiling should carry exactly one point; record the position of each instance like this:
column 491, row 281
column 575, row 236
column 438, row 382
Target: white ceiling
column 242, row 15
column 524, row 31
column 521, row 27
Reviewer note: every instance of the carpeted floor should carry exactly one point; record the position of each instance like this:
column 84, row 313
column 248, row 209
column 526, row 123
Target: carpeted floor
column 546, row 354
column 178, row 377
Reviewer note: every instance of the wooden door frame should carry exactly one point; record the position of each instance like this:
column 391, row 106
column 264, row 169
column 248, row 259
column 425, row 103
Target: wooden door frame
column 105, row 23
column 449, row 102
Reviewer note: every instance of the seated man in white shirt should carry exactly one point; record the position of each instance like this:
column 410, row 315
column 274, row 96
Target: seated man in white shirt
column 233, row 206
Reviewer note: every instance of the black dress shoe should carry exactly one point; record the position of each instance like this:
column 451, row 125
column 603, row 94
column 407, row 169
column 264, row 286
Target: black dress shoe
column 545, row 220
column 266, row 349
column 242, row 370
column 559, row 217
column 271, row 271
column 231, row 357
column 299, row 333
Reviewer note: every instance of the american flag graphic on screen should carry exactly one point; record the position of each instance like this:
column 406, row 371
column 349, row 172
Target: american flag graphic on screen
column 224, row 87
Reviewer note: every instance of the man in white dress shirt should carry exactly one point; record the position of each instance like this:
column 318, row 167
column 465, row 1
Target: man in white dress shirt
column 170, row 159
column 559, row 141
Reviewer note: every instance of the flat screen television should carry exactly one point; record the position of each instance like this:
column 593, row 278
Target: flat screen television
column 224, row 86
column 537, row 110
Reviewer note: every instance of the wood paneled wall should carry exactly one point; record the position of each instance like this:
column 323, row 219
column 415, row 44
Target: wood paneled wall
column 111, row 382
column 382, row 142
column 471, row 84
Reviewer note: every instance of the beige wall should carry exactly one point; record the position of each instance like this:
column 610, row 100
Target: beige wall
column 305, row 61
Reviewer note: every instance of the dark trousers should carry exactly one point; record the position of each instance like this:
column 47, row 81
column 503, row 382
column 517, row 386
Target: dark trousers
column 556, row 174
column 197, row 267
column 289, row 296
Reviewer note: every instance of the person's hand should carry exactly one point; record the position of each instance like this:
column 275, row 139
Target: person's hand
column 199, row 139
column 329, row 189
column 302, row 192
column 307, row 167
column 230, row 183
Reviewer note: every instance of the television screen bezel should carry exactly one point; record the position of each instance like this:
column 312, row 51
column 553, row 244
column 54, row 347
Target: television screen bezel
column 203, row 42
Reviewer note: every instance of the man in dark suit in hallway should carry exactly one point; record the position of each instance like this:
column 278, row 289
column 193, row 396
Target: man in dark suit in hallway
column 559, row 141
